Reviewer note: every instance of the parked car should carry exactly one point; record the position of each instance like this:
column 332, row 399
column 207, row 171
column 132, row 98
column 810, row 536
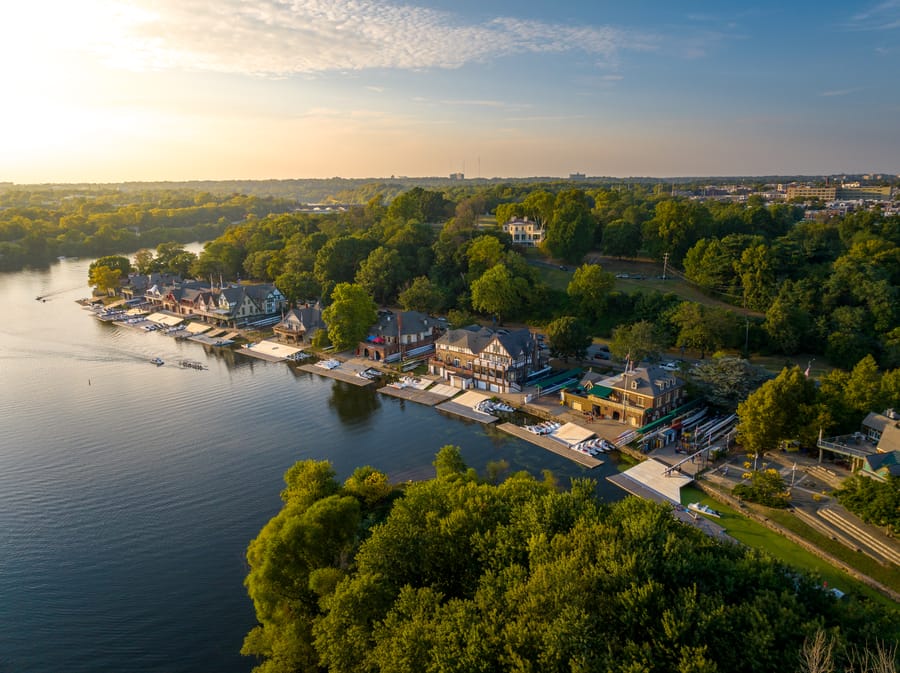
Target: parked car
column 670, row 366
column 601, row 355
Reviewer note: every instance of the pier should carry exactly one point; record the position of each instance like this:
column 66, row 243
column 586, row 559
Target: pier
column 550, row 445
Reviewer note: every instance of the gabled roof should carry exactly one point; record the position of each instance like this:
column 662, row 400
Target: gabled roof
column 889, row 462
column 877, row 422
column 516, row 343
column 411, row 322
column 308, row 318
column 651, row 381
column 890, row 438
column 472, row 338
column 259, row 292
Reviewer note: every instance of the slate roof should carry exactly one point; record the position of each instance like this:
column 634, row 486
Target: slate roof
column 308, row 318
column 413, row 322
column 519, row 342
column 889, row 462
column 474, row 338
column 651, row 381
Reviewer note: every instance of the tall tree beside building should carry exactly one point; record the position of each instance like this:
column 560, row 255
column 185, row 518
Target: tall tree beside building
column 498, row 292
column 381, row 273
column 638, row 342
column 421, row 295
column 349, row 316
column 569, row 337
column 570, row 233
column 777, row 411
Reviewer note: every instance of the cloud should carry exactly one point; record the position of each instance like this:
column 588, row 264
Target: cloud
column 839, row 92
column 883, row 16
column 289, row 37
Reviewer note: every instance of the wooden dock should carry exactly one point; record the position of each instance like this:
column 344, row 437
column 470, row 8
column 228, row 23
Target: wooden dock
column 413, row 395
column 457, row 409
column 337, row 374
column 551, row 445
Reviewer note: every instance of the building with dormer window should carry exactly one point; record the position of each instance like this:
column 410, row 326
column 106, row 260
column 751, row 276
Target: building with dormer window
column 637, row 396
column 477, row 357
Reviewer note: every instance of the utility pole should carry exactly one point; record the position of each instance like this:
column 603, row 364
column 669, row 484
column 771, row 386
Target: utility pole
column 665, row 264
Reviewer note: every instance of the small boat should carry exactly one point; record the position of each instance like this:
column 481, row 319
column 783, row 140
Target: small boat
column 157, row 361
column 703, row 509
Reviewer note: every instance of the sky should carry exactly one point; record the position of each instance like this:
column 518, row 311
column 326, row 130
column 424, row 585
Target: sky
column 131, row 90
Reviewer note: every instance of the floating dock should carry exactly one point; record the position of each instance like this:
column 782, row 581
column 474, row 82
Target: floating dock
column 338, row 374
column 425, row 397
column 653, row 480
column 551, row 445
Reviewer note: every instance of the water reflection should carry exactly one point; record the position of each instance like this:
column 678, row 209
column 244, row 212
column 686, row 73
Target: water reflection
column 354, row 404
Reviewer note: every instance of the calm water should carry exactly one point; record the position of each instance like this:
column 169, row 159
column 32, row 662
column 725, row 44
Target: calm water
column 128, row 492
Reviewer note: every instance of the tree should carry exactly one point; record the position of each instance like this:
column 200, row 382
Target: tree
column 863, row 392
column 449, row 462
column 710, row 264
column 788, row 322
column 115, row 262
column 461, row 575
column 621, row 238
column 297, row 286
column 726, row 381
column 483, row 253
column 766, row 487
column 568, row 337
column 380, row 274
column 349, row 316
column 703, row 328
column 570, row 233
column 497, row 292
column 757, row 272
column 776, row 412
column 338, row 260
column 143, row 261
column 103, row 278
column 676, row 226
column 422, row 296
column 589, row 289
column 638, row 342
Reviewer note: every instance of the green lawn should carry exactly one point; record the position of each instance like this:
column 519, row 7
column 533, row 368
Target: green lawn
column 756, row 535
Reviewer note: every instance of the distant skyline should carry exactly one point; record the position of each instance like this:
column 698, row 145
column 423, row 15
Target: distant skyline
column 146, row 90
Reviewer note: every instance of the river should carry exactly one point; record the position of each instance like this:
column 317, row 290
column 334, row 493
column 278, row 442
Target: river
column 129, row 492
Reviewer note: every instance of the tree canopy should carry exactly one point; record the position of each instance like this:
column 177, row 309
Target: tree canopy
column 458, row 574
column 350, row 315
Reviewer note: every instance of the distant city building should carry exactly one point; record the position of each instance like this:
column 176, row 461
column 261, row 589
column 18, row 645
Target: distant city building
column 807, row 192
column 850, row 191
column 457, row 176
column 524, row 232
column 577, row 176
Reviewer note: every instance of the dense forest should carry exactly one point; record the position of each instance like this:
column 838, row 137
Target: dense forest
column 463, row 574
column 38, row 224
column 822, row 287
column 826, row 286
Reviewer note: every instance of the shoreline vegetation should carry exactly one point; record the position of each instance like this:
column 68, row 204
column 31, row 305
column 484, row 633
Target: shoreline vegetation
column 455, row 572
